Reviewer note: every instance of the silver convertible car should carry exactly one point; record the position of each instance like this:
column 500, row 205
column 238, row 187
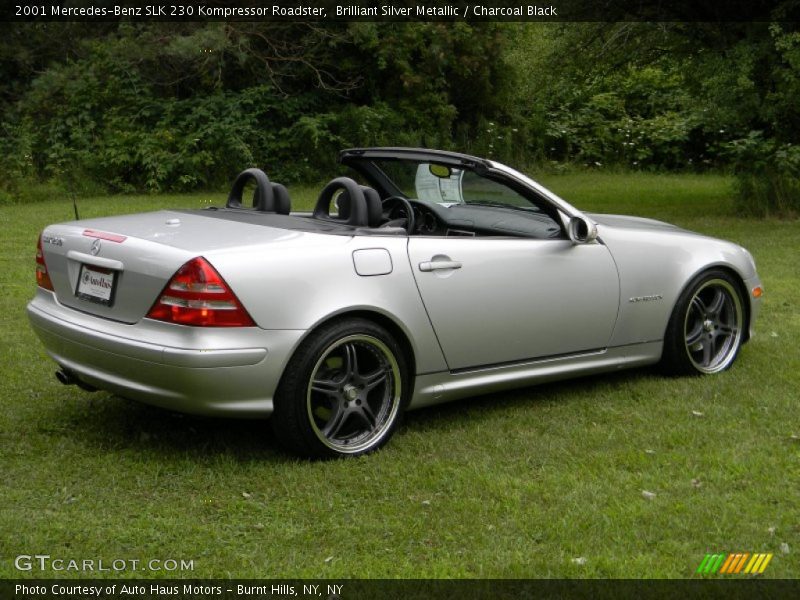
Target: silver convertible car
column 420, row 277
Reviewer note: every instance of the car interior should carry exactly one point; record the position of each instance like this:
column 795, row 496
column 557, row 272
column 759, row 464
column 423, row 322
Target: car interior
column 347, row 207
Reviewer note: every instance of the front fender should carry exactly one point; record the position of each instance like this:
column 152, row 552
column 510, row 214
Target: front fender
column 656, row 266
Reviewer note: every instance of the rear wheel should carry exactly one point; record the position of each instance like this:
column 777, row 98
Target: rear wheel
column 343, row 391
column 706, row 328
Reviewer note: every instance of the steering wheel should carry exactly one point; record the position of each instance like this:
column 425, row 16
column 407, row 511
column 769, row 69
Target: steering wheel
column 399, row 203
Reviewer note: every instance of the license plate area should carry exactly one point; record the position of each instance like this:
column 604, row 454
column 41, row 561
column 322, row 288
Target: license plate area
column 96, row 284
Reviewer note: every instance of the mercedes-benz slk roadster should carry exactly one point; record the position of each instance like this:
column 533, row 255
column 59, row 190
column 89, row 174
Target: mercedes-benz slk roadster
column 420, row 277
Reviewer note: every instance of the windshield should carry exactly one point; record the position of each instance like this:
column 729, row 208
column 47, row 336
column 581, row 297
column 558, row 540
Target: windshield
column 448, row 185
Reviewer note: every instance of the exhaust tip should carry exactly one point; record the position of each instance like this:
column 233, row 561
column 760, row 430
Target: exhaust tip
column 65, row 377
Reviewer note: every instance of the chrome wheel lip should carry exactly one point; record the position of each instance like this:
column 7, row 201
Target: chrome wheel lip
column 702, row 324
column 390, row 401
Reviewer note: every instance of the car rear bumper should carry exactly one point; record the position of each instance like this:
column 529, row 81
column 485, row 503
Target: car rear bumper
column 209, row 371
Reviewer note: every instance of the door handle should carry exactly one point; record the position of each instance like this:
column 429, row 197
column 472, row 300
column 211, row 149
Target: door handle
column 439, row 265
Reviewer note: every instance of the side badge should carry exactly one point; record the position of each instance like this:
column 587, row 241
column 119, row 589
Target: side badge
column 646, row 298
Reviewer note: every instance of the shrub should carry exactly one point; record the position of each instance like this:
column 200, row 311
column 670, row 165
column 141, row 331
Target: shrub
column 767, row 176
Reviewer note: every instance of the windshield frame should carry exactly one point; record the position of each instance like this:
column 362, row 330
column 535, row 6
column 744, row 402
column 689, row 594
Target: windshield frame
column 365, row 162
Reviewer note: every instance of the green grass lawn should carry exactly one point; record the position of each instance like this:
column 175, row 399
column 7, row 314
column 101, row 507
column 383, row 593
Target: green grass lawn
column 516, row 484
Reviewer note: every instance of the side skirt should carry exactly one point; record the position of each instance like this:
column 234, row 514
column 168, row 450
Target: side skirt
column 436, row 388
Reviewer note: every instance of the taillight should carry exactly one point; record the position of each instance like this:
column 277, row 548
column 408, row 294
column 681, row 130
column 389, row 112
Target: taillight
column 42, row 276
column 198, row 296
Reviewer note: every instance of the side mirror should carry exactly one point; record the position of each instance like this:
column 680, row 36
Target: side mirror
column 581, row 230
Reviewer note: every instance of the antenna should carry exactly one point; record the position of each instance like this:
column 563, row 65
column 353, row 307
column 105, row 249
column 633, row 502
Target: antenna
column 71, row 191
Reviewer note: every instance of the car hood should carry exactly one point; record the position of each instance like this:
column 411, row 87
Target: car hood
column 638, row 223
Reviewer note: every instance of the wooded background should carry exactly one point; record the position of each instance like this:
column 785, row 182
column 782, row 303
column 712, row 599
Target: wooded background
column 121, row 107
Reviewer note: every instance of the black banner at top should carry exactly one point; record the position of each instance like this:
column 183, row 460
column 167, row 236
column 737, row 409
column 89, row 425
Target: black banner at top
column 401, row 10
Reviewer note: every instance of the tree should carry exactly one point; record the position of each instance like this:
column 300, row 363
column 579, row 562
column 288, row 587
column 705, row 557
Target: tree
column 677, row 95
column 186, row 105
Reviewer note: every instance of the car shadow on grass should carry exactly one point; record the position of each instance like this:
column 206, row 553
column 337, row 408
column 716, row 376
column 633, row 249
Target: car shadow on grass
column 109, row 423
column 571, row 390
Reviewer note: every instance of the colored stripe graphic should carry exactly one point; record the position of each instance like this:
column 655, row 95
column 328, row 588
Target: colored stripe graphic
column 732, row 558
column 711, row 563
column 755, row 562
column 704, row 564
column 767, row 558
column 740, row 564
column 732, row 564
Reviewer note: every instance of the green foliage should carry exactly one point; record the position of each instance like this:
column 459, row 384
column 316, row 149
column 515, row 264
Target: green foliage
column 176, row 107
column 766, row 155
column 768, row 176
column 154, row 107
column 595, row 107
column 609, row 127
column 671, row 96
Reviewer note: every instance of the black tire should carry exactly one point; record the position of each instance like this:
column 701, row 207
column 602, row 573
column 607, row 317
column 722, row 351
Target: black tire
column 343, row 392
column 706, row 329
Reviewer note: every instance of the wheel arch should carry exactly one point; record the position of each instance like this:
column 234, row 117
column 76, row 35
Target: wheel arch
column 397, row 331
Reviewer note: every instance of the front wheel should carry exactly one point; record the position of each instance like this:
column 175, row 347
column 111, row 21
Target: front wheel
column 705, row 331
column 342, row 392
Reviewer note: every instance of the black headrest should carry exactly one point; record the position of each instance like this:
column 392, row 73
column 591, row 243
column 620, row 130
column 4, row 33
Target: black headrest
column 353, row 205
column 267, row 197
column 374, row 206
column 283, row 204
column 263, row 197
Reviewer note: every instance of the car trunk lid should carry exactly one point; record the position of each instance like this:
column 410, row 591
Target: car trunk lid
column 116, row 267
